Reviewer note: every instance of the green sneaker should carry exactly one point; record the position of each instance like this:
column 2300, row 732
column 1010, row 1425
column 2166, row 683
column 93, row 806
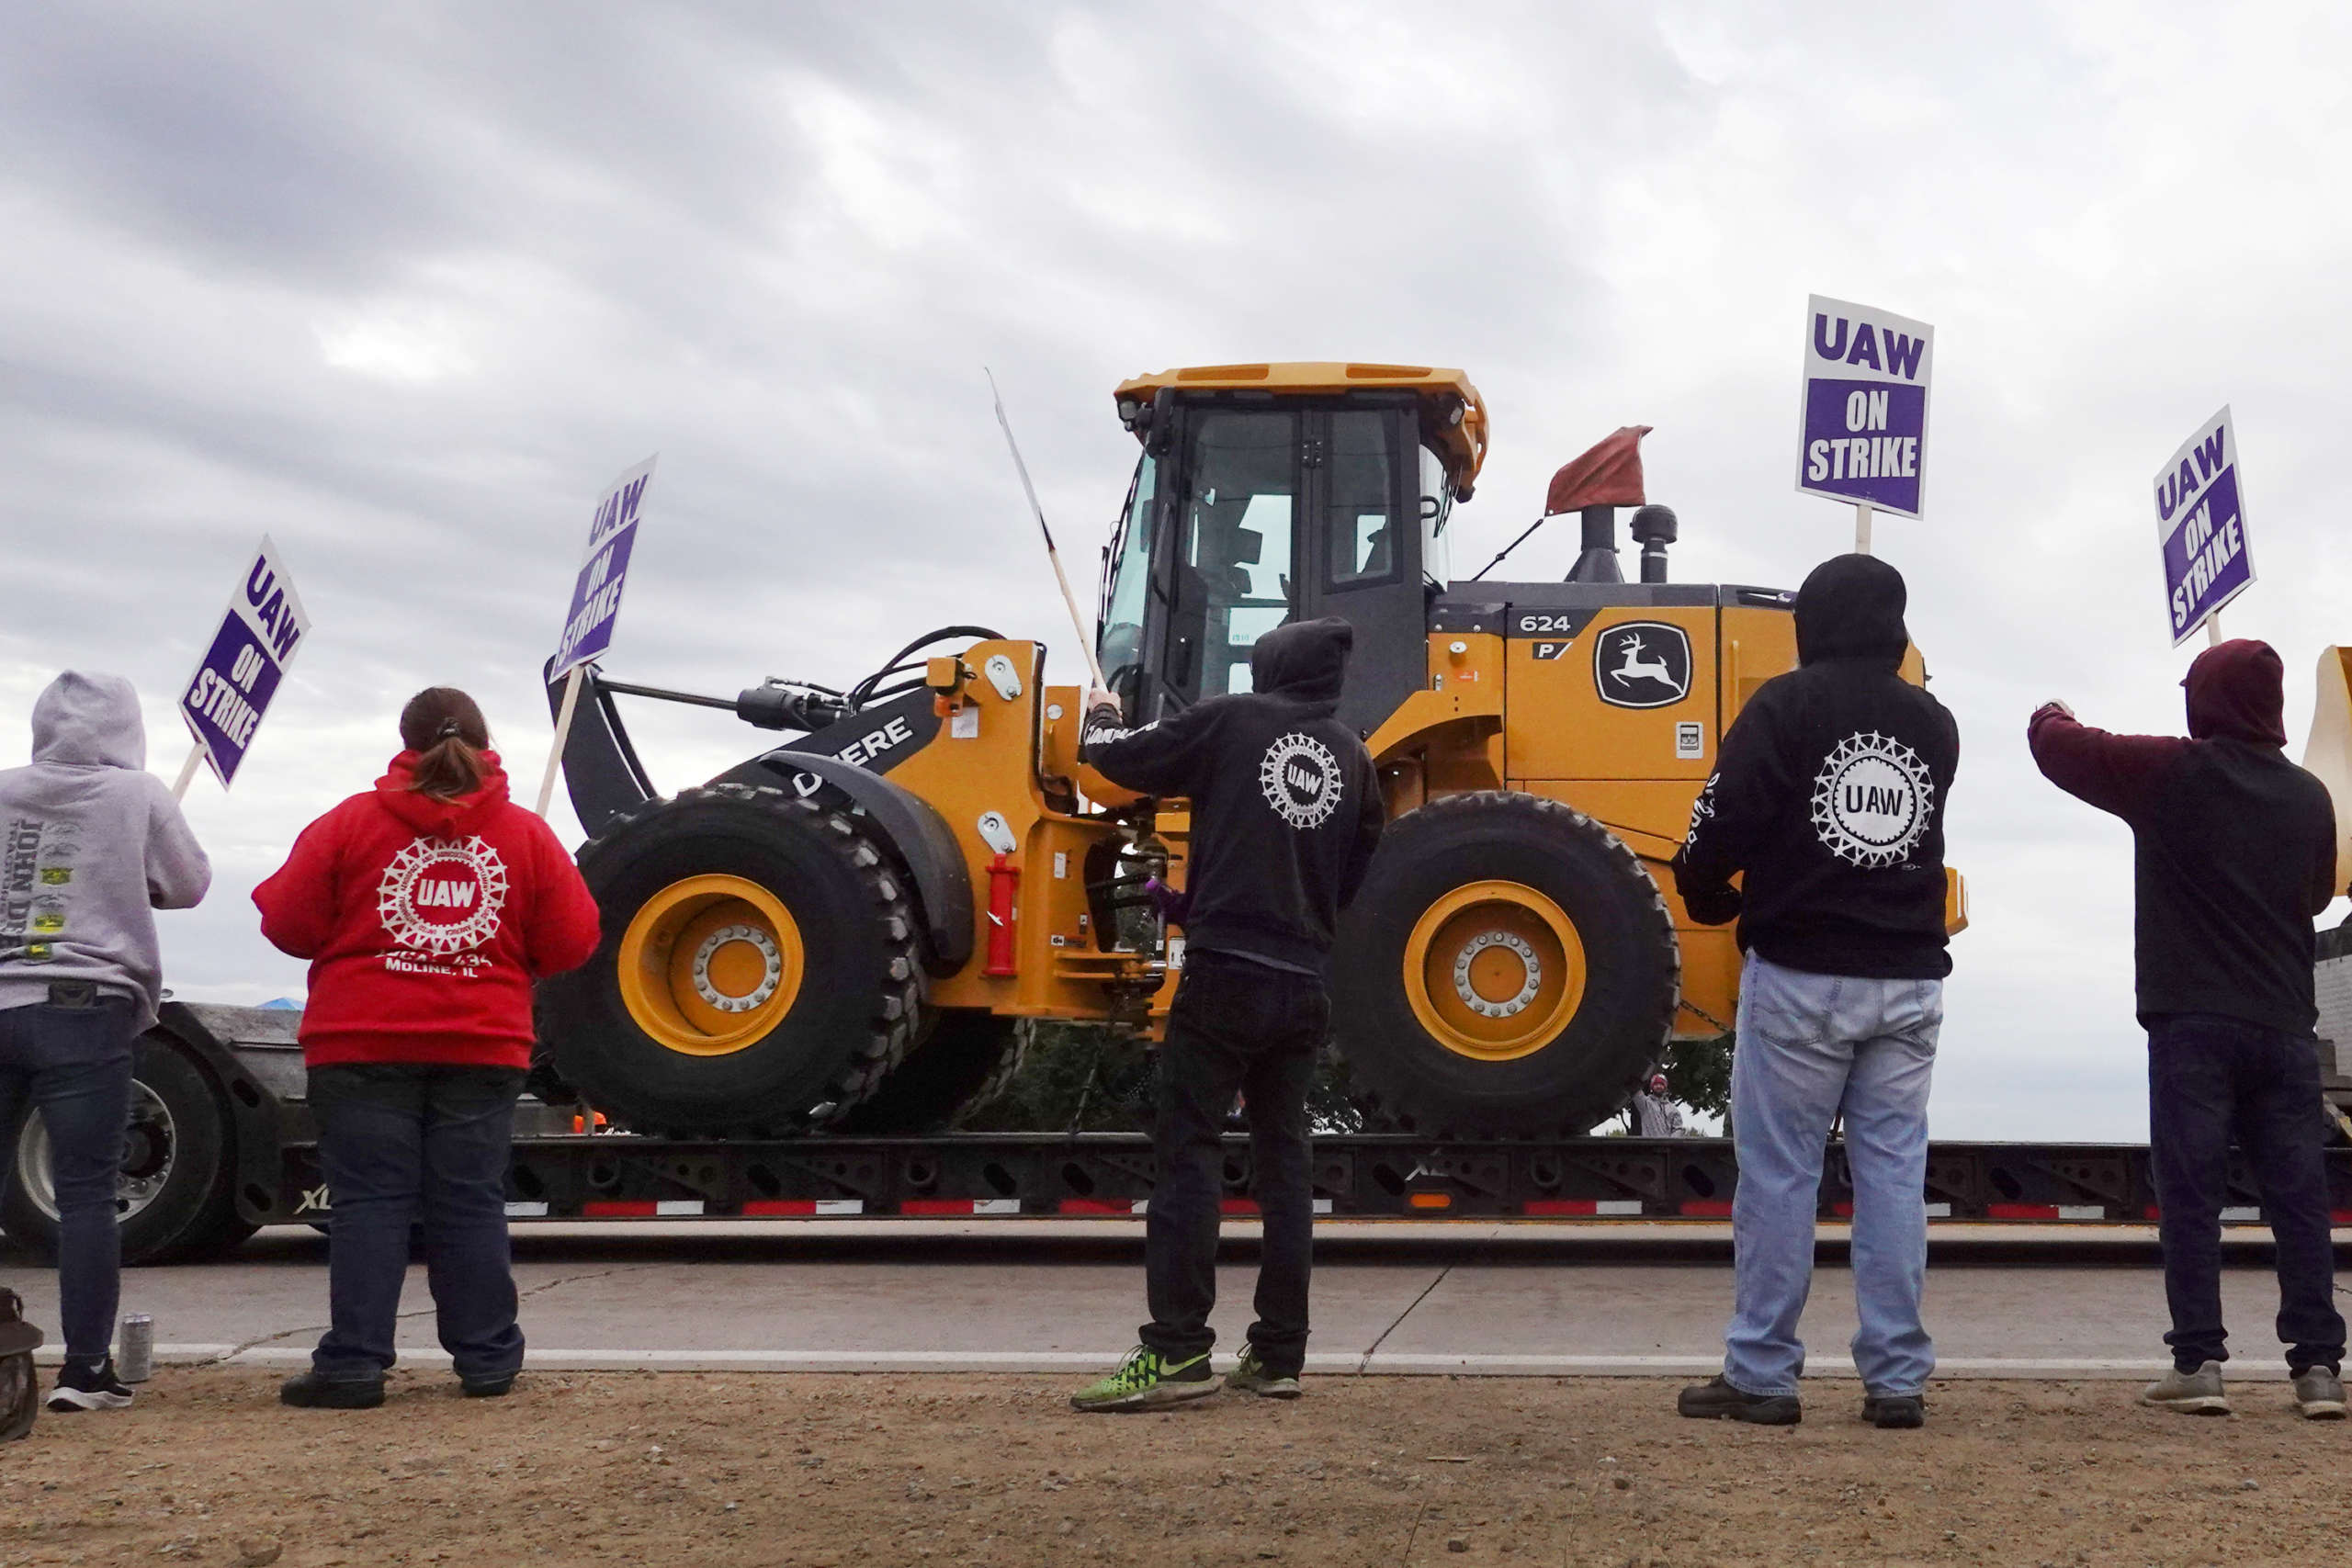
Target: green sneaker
column 1251, row 1377
column 1144, row 1382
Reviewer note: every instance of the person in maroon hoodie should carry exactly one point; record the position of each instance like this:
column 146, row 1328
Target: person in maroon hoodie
column 2234, row 857
column 426, row 906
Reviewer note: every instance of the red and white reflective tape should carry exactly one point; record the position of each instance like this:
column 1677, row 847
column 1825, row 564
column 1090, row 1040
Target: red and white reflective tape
column 1599, row 1208
column 787, row 1208
column 958, row 1206
column 2045, row 1211
column 527, row 1211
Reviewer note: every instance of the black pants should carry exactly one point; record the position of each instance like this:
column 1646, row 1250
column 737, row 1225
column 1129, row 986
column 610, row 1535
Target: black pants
column 400, row 1141
column 1240, row 1026
column 2211, row 1077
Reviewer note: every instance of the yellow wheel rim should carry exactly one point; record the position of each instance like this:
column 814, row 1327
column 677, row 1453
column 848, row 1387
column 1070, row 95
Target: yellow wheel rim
column 1494, row 971
column 710, row 965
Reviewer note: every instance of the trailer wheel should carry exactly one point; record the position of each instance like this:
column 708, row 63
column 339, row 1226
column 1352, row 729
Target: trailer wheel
column 758, row 973
column 1507, row 969
column 954, row 1065
column 174, row 1198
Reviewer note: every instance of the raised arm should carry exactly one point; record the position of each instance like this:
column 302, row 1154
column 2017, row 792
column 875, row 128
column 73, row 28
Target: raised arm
column 2114, row 773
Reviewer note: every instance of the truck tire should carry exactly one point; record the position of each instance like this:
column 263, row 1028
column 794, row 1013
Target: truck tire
column 953, row 1065
column 176, row 1196
column 1507, row 969
column 758, row 971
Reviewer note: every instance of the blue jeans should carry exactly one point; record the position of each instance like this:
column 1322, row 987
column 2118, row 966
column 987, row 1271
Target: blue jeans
column 74, row 1064
column 398, row 1142
column 2210, row 1078
column 1808, row 1046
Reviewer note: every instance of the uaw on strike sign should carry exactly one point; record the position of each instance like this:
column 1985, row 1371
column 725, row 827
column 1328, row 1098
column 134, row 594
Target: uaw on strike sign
column 597, row 594
column 225, row 701
column 2200, row 520
column 1864, row 435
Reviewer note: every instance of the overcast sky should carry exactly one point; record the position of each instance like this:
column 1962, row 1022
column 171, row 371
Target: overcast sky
column 404, row 285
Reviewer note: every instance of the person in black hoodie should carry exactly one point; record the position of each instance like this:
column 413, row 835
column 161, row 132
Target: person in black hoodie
column 1287, row 811
column 1827, row 800
column 2234, row 856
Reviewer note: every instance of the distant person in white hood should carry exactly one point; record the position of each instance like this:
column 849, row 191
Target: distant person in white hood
column 91, row 845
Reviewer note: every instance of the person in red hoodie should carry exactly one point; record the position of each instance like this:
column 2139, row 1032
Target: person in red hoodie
column 2234, row 856
column 426, row 906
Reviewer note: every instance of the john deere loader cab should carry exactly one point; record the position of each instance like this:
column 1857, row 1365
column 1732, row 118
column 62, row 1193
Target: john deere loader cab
column 1267, row 493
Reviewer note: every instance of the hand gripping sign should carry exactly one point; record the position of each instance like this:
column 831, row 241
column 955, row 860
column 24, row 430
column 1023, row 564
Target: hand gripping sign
column 1863, row 433
column 595, row 606
column 2201, row 523
column 225, row 699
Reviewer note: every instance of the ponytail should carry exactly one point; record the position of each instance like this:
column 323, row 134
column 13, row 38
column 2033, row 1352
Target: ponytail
column 445, row 730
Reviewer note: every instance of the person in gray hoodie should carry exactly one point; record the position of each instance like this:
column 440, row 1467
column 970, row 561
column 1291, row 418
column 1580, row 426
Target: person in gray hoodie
column 91, row 845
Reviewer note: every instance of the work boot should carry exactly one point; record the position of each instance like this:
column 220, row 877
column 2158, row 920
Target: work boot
column 1716, row 1400
column 1894, row 1411
column 2319, row 1394
column 81, row 1386
column 489, row 1385
column 1145, row 1381
column 2192, row 1394
column 1251, row 1377
column 311, row 1392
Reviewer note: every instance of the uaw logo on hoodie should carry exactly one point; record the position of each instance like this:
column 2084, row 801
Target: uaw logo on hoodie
column 1300, row 779
column 1871, row 800
column 440, row 897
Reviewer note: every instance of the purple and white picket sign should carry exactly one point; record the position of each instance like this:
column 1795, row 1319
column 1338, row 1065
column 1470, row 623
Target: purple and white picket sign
column 223, row 701
column 2201, row 523
column 595, row 607
column 1863, row 424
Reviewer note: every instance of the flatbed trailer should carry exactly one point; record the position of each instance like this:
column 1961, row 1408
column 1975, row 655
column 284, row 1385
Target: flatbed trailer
column 223, row 1143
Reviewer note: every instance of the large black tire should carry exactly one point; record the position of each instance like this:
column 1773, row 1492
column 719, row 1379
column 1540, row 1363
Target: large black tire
column 847, row 1023
column 956, row 1064
column 177, row 1197
column 1577, row 1057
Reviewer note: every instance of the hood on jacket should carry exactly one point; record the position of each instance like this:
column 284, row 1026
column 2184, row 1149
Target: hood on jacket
column 1306, row 660
column 89, row 721
column 2237, row 691
column 441, row 818
column 1851, row 607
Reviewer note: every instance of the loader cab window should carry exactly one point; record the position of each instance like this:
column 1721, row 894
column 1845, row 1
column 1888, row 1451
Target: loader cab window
column 1234, row 576
column 1360, row 503
column 1126, row 583
column 1437, row 510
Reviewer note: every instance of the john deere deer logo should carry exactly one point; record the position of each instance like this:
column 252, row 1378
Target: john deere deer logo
column 1642, row 664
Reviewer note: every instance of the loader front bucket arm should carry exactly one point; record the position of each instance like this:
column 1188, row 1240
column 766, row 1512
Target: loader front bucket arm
column 2328, row 754
column 601, row 770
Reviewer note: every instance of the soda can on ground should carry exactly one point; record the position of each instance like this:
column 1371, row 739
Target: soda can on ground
column 134, row 1354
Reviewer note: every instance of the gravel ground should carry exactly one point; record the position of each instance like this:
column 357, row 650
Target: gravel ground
column 811, row 1471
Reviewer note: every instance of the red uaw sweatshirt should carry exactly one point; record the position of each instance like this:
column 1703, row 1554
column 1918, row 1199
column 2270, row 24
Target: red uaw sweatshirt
column 425, row 922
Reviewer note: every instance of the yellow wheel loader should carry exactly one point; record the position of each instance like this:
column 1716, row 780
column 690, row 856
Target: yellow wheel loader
column 846, row 931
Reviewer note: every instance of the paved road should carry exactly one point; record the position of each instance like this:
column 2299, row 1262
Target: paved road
column 1052, row 1295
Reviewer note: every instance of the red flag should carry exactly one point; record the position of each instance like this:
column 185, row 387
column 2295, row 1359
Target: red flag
column 1608, row 474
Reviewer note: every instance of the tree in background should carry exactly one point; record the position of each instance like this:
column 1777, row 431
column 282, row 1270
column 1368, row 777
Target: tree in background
column 1086, row 1077
column 1698, row 1075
